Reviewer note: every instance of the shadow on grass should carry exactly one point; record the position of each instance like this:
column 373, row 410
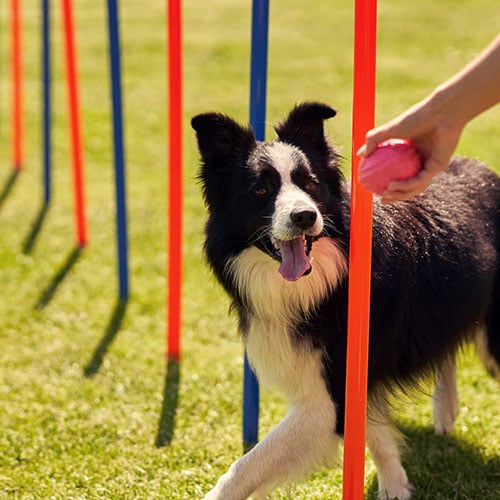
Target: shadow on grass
column 9, row 184
column 94, row 365
column 166, row 424
column 446, row 468
column 36, row 227
column 49, row 292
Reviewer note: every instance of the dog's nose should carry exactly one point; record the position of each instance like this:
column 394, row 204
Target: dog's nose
column 303, row 218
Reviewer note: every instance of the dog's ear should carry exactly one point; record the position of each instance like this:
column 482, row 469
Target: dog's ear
column 304, row 128
column 224, row 146
column 221, row 139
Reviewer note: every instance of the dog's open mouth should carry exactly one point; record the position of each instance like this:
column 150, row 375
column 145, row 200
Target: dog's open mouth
column 294, row 256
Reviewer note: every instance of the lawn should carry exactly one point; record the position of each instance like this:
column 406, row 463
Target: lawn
column 88, row 406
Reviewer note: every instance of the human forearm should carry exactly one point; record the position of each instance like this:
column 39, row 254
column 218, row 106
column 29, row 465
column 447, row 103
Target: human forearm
column 436, row 123
column 472, row 90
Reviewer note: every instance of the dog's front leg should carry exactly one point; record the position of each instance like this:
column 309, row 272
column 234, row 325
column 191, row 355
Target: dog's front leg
column 302, row 440
column 383, row 440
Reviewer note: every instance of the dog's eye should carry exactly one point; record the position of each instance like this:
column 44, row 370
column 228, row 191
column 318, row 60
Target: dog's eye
column 311, row 186
column 261, row 192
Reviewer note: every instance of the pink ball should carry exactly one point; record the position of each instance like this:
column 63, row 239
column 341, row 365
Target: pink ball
column 395, row 159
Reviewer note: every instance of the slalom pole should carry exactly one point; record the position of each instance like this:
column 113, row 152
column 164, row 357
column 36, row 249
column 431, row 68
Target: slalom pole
column 365, row 28
column 74, row 121
column 174, row 166
column 118, row 147
column 46, row 93
column 17, row 91
column 258, row 82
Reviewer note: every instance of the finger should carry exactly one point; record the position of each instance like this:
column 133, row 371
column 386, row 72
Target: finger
column 414, row 184
column 417, row 182
column 406, row 189
column 373, row 137
column 362, row 151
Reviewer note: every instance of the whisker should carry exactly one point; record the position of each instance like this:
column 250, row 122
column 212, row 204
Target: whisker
column 259, row 234
column 329, row 224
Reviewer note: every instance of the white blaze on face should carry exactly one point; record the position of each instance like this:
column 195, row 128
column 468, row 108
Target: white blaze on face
column 289, row 237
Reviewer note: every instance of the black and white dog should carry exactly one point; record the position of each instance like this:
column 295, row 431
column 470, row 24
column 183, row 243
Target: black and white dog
column 277, row 239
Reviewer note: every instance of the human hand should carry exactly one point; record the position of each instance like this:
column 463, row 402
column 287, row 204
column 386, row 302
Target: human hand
column 434, row 140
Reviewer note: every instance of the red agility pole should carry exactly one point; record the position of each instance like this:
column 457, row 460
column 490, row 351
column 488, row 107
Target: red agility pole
column 16, row 70
column 358, row 323
column 74, row 121
column 174, row 216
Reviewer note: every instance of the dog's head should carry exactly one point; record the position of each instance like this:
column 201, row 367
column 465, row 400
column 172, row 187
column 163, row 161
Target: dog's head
column 275, row 195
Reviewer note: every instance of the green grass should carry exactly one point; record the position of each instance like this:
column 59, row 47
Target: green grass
column 86, row 407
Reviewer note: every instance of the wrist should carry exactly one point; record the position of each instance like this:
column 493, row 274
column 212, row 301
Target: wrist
column 447, row 107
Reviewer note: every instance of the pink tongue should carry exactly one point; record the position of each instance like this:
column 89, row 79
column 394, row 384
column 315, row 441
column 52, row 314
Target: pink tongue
column 294, row 261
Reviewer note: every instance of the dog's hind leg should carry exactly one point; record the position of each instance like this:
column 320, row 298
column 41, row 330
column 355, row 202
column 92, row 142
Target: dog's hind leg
column 483, row 351
column 302, row 440
column 445, row 397
column 384, row 443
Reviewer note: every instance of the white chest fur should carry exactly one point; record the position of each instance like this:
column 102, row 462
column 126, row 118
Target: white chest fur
column 276, row 305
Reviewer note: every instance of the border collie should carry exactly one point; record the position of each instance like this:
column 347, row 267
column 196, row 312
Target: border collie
column 277, row 239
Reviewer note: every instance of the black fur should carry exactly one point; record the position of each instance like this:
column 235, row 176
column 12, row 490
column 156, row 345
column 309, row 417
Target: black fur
column 436, row 258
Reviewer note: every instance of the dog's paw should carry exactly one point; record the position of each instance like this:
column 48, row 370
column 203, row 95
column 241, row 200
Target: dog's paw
column 218, row 491
column 394, row 484
column 212, row 495
column 228, row 487
column 401, row 493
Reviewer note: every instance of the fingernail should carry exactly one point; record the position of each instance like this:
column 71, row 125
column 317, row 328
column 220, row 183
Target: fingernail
column 361, row 151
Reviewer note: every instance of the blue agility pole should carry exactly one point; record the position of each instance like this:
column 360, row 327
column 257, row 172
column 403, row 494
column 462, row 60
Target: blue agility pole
column 258, row 80
column 116, row 93
column 46, row 91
